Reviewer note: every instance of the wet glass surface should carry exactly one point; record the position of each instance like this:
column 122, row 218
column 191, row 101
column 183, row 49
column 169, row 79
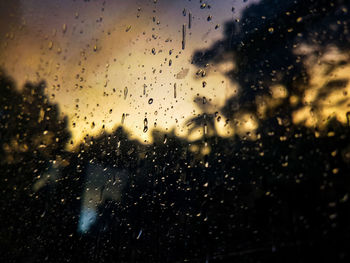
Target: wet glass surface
column 174, row 131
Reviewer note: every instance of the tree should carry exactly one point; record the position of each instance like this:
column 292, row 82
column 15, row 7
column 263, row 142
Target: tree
column 32, row 139
column 266, row 48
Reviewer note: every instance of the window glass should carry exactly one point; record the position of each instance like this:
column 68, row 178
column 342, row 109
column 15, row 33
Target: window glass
column 174, row 131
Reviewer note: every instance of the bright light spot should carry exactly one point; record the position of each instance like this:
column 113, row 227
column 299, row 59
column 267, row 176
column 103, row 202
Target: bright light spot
column 86, row 220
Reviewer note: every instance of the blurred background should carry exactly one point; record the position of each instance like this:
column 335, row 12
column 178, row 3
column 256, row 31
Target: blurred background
column 174, row 131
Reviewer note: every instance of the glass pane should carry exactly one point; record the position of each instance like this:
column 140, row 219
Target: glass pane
column 174, row 131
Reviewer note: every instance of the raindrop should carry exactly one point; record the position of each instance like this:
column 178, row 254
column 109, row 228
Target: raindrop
column 125, row 92
column 123, row 118
column 201, row 73
column 183, row 36
column 205, row 128
column 139, row 235
column 145, row 123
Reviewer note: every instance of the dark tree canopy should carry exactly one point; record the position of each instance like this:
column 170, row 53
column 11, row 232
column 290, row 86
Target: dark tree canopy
column 263, row 45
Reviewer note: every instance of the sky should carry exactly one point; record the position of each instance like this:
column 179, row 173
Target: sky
column 103, row 60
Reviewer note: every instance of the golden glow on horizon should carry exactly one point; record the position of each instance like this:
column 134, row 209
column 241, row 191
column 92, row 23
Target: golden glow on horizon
column 88, row 60
column 327, row 96
column 100, row 67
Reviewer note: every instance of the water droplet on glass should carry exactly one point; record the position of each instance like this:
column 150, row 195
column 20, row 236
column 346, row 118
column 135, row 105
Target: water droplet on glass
column 125, row 92
column 183, row 36
column 139, row 235
column 201, row 73
column 145, row 123
column 123, row 118
column 205, row 129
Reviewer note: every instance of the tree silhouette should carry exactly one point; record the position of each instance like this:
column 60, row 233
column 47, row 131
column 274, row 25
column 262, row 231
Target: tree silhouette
column 264, row 46
column 32, row 138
